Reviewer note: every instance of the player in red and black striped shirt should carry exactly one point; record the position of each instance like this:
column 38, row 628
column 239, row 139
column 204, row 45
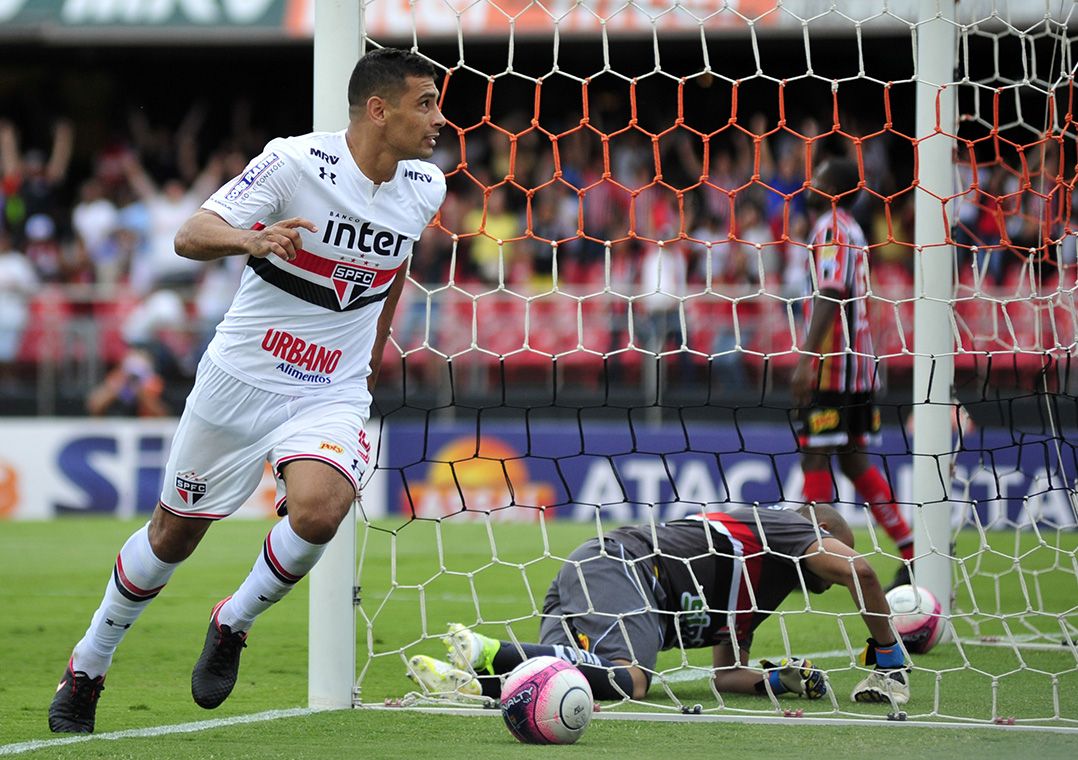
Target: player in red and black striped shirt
column 835, row 379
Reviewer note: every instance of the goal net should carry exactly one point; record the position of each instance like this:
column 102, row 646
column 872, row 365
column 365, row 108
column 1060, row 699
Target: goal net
column 602, row 327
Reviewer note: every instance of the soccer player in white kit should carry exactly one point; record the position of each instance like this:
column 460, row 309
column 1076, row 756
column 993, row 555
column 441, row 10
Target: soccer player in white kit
column 327, row 222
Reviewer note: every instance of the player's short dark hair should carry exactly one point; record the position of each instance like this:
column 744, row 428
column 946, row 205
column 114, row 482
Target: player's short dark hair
column 836, row 177
column 384, row 72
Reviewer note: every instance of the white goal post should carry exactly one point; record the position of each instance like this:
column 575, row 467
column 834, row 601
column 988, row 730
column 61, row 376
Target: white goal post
column 331, row 659
column 933, row 361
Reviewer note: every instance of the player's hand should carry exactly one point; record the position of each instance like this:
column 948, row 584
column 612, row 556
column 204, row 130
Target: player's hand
column 280, row 239
column 801, row 384
column 799, row 676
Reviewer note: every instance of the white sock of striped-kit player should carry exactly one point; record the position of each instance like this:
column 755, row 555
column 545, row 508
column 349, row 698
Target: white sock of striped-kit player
column 608, row 680
column 285, row 559
column 137, row 577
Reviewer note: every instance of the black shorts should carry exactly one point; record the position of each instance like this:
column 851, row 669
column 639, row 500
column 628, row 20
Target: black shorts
column 838, row 420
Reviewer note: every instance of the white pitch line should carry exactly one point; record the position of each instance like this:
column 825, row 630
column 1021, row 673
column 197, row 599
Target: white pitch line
column 140, row 733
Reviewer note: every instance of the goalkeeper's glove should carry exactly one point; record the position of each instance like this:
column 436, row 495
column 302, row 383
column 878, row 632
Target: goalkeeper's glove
column 795, row 675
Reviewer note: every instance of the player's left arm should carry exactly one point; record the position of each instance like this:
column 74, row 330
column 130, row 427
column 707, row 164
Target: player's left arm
column 385, row 320
column 794, row 675
column 834, row 562
column 733, row 676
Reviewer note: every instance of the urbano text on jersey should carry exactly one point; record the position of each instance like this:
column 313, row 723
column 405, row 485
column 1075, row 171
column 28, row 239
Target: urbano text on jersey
column 297, row 351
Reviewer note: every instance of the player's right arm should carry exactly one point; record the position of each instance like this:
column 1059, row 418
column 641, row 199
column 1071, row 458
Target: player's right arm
column 206, row 236
column 230, row 221
column 830, row 251
column 824, row 311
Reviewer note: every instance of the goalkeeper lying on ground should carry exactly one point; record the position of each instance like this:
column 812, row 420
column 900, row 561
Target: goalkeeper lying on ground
column 672, row 587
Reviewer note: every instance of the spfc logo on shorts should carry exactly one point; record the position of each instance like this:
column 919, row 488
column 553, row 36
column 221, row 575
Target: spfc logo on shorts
column 351, row 282
column 190, row 487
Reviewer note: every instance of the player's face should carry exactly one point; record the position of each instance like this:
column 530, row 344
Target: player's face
column 413, row 122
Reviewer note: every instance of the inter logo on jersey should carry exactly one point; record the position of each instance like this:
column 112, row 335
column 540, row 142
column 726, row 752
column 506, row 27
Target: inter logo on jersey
column 351, row 281
column 190, row 487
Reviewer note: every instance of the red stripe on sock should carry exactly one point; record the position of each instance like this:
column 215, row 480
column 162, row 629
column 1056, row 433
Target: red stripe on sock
column 131, row 586
column 277, row 563
column 875, row 489
column 818, row 487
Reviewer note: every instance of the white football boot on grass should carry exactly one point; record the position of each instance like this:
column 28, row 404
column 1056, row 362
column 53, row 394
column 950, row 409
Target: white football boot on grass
column 440, row 678
column 891, row 686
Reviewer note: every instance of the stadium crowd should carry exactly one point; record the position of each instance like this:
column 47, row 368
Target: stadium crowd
column 102, row 241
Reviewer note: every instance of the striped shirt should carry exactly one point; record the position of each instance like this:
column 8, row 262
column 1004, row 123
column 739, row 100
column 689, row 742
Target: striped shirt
column 725, row 571
column 838, row 258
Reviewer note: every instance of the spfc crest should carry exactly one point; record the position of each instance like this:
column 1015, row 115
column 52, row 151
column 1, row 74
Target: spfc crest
column 351, row 281
column 190, row 487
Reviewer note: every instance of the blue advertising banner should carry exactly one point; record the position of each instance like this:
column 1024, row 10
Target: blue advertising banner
column 51, row 468
column 108, row 467
column 441, row 470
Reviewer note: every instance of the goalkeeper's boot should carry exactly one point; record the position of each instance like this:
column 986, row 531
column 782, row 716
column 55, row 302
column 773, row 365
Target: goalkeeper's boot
column 890, row 686
column 215, row 672
column 73, row 708
column 469, row 650
column 438, row 677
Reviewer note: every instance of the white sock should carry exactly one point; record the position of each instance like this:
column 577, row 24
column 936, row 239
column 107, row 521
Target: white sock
column 137, row 577
column 285, row 559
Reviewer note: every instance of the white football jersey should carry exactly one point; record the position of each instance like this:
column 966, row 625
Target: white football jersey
column 310, row 323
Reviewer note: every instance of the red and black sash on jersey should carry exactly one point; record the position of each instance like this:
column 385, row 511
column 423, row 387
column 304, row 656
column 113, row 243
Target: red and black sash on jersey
column 750, row 554
column 348, row 281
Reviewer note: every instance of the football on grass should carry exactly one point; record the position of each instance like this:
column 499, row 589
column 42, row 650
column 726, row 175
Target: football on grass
column 916, row 614
column 546, row 701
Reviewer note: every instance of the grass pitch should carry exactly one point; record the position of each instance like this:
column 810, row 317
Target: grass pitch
column 52, row 575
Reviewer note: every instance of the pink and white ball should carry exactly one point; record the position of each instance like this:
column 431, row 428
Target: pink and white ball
column 916, row 615
column 546, row 701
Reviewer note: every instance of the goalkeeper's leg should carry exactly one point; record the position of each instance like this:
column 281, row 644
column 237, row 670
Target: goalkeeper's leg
column 599, row 614
column 609, row 679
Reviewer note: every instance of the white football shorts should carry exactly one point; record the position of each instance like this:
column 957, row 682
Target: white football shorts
column 229, row 429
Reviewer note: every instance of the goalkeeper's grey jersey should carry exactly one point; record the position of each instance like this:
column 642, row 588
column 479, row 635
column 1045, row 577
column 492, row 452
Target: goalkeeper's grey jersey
column 716, row 575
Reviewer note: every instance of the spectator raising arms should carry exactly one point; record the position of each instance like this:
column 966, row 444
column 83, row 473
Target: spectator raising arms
column 18, row 282
column 168, row 207
column 31, row 181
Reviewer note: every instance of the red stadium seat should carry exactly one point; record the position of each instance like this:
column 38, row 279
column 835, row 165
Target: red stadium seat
column 109, row 316
column 43, row 339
